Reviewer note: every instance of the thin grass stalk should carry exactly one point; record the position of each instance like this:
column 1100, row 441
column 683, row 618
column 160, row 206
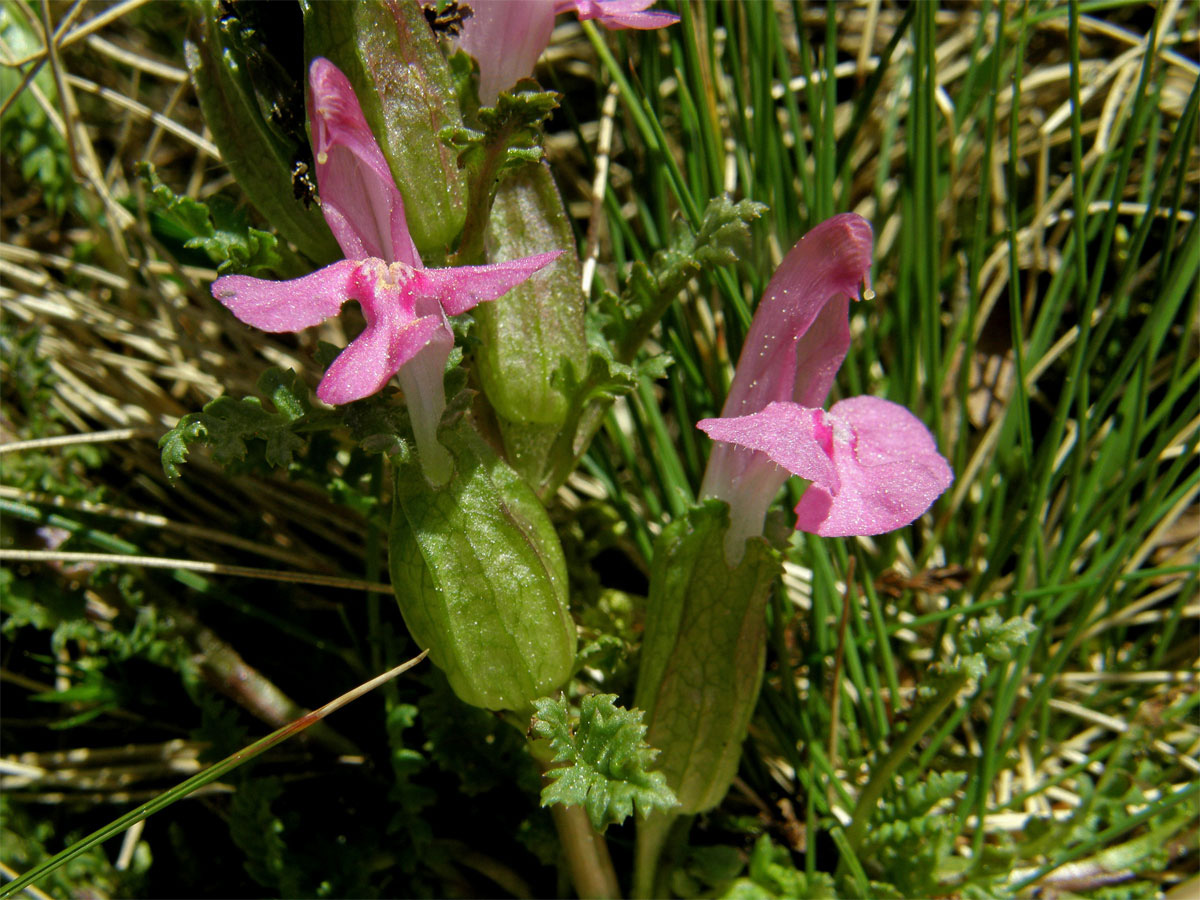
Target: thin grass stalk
column 987, row 765
column 212, row 773
column 966, row 338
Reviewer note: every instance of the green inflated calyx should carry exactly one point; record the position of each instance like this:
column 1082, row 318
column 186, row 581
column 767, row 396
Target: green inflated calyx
column 537, row 328
column 401, row 79
column 702, row 663
column 479, row 574
column 532, row 344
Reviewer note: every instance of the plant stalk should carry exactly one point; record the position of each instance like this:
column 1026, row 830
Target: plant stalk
column 591, row 867
column 585, row 849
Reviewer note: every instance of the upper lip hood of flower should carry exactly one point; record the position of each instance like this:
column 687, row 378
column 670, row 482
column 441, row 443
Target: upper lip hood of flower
column 800, row 332
column 359, row 197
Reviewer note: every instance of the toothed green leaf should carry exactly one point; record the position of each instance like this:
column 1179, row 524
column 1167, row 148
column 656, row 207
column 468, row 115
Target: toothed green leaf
column 997, row 638
column 607, row 758
column 508, row 135
column 628, row 319
column 230, row 427
column 217, row 228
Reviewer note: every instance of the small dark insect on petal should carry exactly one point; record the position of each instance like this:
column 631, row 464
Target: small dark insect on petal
column 302, row 183
column 447, row 18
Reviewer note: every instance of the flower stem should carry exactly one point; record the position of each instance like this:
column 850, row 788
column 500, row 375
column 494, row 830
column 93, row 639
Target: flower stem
column 585, row 850
column 587, row 856
column 652, row 835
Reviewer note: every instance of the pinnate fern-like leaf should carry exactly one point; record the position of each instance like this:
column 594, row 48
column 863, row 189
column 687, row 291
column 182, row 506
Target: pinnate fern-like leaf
column 227, row 425
column 606, row 760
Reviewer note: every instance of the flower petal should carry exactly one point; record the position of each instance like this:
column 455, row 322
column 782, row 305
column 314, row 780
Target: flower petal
column 800, row 334
column 359, row 196
column 888, row 468
column 373, row 357
column 462, row 287
column 792, row 436
column 873, row 466
column 619, row 13
column 506, row 38
column 288, row 305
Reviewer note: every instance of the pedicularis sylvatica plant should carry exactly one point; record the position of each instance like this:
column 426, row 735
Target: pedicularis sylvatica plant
column 483, row 371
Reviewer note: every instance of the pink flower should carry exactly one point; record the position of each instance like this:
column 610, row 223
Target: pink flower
column 873, row 466
column 506, row 37
column 405, row 304
column 619, row 13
